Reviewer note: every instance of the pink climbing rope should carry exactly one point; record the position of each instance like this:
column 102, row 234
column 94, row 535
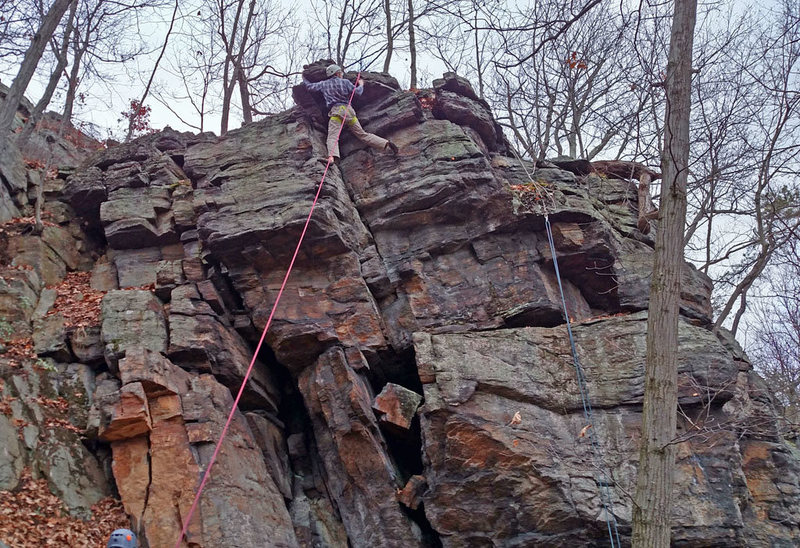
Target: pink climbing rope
column 207, row 473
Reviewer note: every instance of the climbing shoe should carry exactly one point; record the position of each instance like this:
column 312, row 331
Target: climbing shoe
column 391, row 147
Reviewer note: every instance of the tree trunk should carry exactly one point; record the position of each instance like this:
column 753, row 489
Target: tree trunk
column 55, row 77
column 654, row 485
column 72, row 83
column 389, row 40
column 244, row 93
column 29, row 62
column 412, row 45
column 227, row 95
column 478, row 62
column 38, row 225
column 767, row 247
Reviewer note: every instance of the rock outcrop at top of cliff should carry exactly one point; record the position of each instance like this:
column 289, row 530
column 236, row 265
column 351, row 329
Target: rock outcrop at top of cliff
column 420, row 273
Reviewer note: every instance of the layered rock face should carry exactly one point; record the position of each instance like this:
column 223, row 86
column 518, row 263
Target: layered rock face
column 416, row 387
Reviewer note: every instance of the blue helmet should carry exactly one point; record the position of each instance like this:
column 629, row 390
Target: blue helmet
column 122, row 538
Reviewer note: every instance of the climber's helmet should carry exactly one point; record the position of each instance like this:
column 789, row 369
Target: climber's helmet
column 122, row 538
column 332, row 69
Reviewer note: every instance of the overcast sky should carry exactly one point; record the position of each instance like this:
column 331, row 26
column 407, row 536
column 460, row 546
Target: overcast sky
column 105, row 100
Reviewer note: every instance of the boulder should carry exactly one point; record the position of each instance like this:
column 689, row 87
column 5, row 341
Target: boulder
column 457, row 101
column 87, row 345
column 85, row 191
column 52, row 254
column 138, row 217
column 396, row 405
column 139, row 267
column 411, row 495
column 131, row 415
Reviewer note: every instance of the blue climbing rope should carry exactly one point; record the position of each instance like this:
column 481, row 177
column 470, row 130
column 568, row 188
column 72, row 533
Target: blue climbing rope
column 604, row 482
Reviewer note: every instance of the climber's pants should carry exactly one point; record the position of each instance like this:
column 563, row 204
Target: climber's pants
column 346, row 113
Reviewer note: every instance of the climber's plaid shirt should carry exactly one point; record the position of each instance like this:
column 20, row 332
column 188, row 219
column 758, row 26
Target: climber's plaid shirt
column 335, row 90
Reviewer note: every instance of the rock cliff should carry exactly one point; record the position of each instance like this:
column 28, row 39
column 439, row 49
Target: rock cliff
column 416, row 387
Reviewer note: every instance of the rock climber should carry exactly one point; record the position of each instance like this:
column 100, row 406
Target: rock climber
column 122, row 538
column 336, row 91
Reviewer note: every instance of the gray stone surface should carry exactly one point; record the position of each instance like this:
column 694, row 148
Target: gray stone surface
column 200, row 341
column 11, row 461
column 360, row 475
column 269, row 436
column 162, row 426
column 132, row 318
column 517, row 462
column 87, row 345
column 52, row 254
column 19, row 295
column 46, row 440
column 426, row 254
column 13, row 182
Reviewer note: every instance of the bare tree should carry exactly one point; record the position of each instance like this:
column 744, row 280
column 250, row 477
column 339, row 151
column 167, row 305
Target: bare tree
column 353, row 36
column 746, row 156
column 145, row 93
column 776, row 350
column 19, row 21
column 28, row 66
column 412, row 45
column 60, row 52
column 249, row 41
column 101, row 36
column 196, row 65
column 582, row 93
column 464, row 36
column 387, row 10
column 653, row 500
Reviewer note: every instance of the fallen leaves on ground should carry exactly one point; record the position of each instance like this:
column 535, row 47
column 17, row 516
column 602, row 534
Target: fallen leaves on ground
column 603, row 317
column 525, row 187
column 34, row 164
column 18, row 224
column 61, row 424
column 5, row 406
column 77, row 301
column 31, row 516
column 529, row 195
column 427, row 102
column 18, row 350
column 59, row 405
column 70, row 133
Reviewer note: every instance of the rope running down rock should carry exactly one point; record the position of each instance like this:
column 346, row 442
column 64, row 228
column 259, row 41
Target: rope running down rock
column 207, row 473
column 604, row 481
